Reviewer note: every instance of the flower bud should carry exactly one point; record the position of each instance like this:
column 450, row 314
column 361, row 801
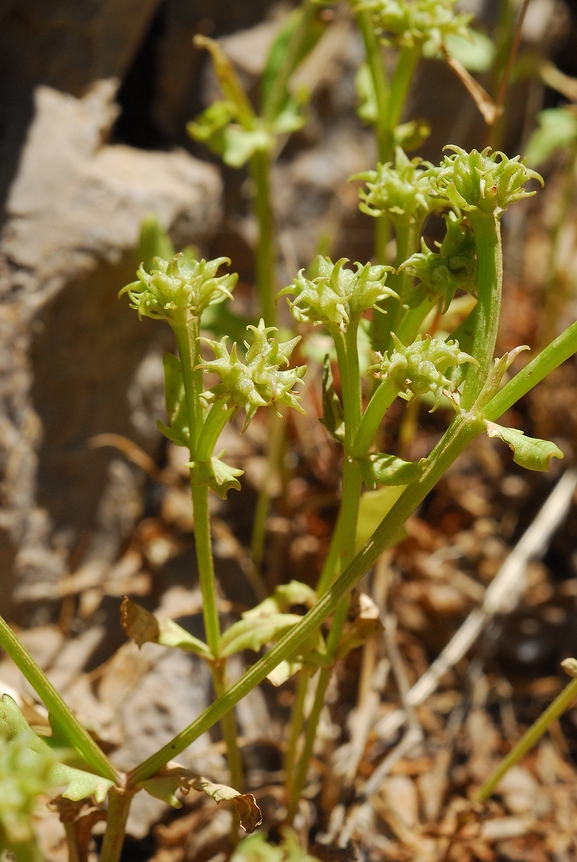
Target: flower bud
column 257, row 382
column 173, row 289
column 421, row 367
column 486, row 181
column 337, row 296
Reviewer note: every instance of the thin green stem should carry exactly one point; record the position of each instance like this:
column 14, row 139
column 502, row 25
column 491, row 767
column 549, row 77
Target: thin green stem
column 217, row 417
column 273, row 103
column 187, row 334
column 297, row 720
column 118, row 808
column 487, row 232
column 274, row 454
column 401, row 82
column 205, row 564
column 407, row 236
column 382, row 398
column 560, row 349
column 61, row 713
column 462, row 430
column 229, row 732
column 560, row 705
column 265, row 262
column 374, row 54
column 375, row 62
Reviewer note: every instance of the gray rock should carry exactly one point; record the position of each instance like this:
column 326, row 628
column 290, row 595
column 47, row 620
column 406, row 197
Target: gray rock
column 71, row 355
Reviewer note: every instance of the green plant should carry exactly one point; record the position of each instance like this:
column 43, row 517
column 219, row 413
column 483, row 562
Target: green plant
column 473, row 189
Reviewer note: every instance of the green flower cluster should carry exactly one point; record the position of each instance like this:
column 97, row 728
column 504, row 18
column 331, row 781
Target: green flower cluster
column 401, row 191
column 337, row 296
column 486, row 181
column 421, row 367
column 453, row 267
column 412, row 23
column 259, row 381
column 180, row 286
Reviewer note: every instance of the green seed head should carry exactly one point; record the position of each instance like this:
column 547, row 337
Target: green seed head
column 412, row 23
column 259, row 380
column 449, row 269
column 421, row 367
column 401, row 191
column 337, row 296
column 486, row 181
column 175, row 289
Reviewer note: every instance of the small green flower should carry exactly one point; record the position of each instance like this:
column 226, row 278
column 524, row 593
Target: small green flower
column 401, row 191
column 421, row 366
column 486, row 181
column 257, row 382
column 337, row 296
column 452, row 268
column 412, row 23
column 173, row 289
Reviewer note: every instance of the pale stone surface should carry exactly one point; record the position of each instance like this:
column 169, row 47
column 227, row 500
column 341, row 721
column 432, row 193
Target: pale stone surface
column 70, row 354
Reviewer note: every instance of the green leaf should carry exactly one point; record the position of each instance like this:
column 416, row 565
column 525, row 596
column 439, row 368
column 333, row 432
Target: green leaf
column 284, row 597
column 240, row 144
column 476, row 53
column 333, row 417
column 279, row 54
column 175, row 402
column 144, row 627
column 253, row 633
column 528, row 452
column 382, row 469
column 78, row 783
column 217, row 475
column 175, row 777
column 373, row 507
column 557, row 129
column 256, row 848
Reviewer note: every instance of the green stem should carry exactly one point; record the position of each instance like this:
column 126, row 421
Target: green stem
column 187, row 333
column 374, row 54
column 560, row 705
column 205, row 564
column 265, row 262
column 118, row 808
column 274, row 454
column 407, row 236
column 297, row 720
column 487, row 232
column 402, row 78
column 460, row 433
column 278, row 92
column 560, row 349
column 230, row 734
column 217, row 417
column 62, row 714
column 383, row 397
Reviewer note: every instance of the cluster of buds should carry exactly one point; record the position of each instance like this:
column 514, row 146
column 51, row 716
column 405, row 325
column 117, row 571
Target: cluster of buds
column 173, row 289
column 412, row 23
column 452, row 268
column 486, row 181
column 401, row 191
column 421, row 367
column 336, row 296
column 259, row 381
